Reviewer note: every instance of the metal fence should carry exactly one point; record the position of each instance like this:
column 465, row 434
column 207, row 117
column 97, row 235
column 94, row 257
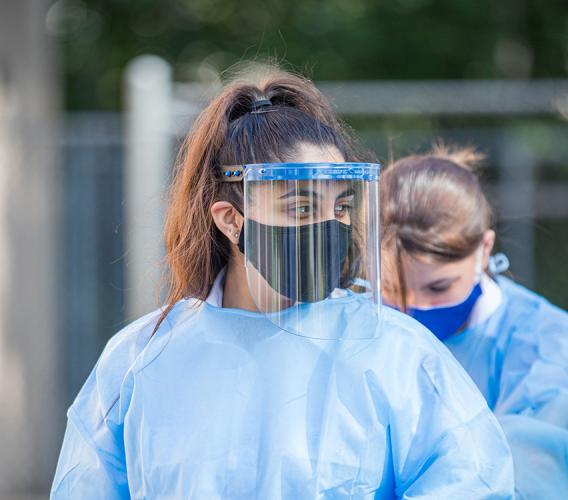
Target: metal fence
column 92, row 261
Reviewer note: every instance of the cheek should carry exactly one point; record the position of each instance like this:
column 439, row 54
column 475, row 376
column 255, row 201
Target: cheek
column 463, row 288
column 456, row 293
column 267, row 214
column 345, row 219
column 453, row 295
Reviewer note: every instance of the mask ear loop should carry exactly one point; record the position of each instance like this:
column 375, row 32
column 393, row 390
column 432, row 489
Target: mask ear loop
column 478, row 264
column 498, row 263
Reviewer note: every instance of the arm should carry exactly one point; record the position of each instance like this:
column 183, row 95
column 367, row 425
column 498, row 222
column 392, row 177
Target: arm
column 533, row 402
column 91, row 464
column 453, row 445
column 468, row 461
column 540, row 455
column 85, row 470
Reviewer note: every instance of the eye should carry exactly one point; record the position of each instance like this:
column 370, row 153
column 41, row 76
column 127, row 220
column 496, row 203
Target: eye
column 438, row 288
column 343, row 207
column 300, row 209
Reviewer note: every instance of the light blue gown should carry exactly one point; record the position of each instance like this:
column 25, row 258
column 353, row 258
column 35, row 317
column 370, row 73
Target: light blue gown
column 221, row 404
column 518, row 358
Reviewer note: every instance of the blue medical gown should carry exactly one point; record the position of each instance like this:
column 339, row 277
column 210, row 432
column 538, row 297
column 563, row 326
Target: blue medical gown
column 519, row 360
column 220, row 403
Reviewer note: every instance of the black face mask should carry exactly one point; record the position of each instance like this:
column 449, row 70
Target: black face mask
column 303, row 263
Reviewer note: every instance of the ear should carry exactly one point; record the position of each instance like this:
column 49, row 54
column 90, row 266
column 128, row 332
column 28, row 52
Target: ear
column 487, row 243
column 228, row 220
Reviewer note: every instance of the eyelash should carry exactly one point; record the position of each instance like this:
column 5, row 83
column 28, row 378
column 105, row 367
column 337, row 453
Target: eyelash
column 438, row 290
column 307, row 209
column 344, row 207
column 301, row 210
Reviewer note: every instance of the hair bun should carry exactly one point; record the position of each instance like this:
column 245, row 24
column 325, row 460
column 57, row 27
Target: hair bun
column 466, row 157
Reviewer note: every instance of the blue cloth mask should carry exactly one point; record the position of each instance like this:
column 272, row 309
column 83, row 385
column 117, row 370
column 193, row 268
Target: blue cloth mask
column 446, row 320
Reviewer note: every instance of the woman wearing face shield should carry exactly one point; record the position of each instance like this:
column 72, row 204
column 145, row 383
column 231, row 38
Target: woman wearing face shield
column 437, row 267
column 273, row 372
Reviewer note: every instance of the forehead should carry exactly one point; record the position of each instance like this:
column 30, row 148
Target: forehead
column 309, row 188
column 419, row 270
column 424, row 268
column 311, row 153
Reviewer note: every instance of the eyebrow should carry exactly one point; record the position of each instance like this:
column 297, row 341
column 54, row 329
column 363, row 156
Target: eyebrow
column 300, row 192
column 346, row 193
column 442, row 281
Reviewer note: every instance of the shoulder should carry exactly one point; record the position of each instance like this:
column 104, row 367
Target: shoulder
column 132, row 348
column 530, row 314
column 410, row 336
column 523, row 301
column 535, row 324
column 424, row 364
column 432, row 404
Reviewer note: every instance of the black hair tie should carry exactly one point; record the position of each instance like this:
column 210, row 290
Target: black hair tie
column 257, row 106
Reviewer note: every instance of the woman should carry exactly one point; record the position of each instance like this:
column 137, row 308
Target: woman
column 437, row 242
column 277, row 375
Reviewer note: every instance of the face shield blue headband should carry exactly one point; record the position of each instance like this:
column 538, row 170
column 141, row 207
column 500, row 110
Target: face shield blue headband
column 444, row 321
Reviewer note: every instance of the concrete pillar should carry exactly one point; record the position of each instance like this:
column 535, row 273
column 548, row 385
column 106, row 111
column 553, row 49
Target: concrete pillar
column 32, row 416
column 149, row 156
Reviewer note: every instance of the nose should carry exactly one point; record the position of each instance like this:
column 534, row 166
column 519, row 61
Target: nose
column 331, row 214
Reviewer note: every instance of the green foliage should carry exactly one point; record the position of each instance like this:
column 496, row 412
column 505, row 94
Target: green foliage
column 332, row 39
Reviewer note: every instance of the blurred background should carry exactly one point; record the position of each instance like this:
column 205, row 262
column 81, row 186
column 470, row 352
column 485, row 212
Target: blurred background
column 96, row 95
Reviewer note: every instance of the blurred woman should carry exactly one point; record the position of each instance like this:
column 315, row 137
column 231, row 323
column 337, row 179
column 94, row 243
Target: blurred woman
column 437, row 267
column 270, row 374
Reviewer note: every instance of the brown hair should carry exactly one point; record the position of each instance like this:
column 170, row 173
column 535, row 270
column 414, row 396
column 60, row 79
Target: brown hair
column 432, row 206
column 230, row 132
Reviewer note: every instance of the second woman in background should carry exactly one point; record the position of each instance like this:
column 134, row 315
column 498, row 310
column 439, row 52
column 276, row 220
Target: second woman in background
column 437, row 242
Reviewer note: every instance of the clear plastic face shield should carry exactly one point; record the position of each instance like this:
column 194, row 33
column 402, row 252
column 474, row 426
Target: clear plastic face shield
column 311, row 243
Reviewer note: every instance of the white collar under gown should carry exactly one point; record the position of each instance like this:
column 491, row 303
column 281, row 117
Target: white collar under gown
column 221, row 404
column 516, row 351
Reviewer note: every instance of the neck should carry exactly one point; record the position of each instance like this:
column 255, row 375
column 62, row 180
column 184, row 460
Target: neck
column 236, row 292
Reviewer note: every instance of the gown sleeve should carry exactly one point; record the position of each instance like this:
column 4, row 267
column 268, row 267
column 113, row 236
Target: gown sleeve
column 532, row 406
column 91, row 464
column 92, row 461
